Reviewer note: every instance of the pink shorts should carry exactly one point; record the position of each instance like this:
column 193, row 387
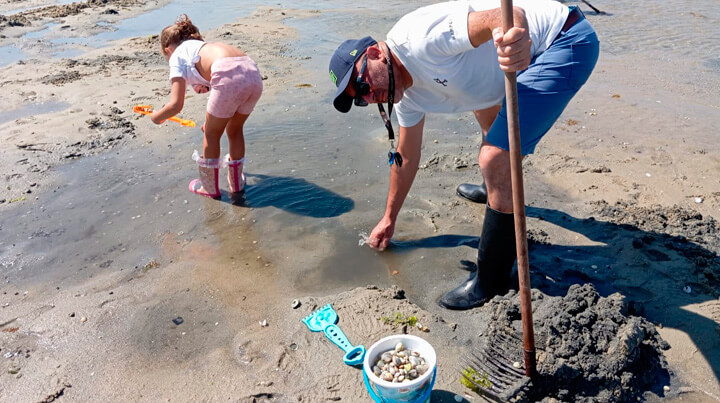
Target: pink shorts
column 236, row 86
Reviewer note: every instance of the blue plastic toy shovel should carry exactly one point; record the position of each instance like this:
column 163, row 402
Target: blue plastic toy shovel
column 323, row 320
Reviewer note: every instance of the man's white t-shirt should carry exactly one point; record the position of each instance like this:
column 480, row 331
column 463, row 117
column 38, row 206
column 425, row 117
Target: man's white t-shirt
column 449, row 74
column 182, row 62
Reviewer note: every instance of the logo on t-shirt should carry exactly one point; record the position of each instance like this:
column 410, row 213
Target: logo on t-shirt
column 441, row 82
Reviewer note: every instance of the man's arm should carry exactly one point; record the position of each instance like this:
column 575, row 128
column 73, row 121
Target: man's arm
column 513, row 47
column 401, row 179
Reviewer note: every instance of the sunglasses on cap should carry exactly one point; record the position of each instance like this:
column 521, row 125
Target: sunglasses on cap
column 361, row 87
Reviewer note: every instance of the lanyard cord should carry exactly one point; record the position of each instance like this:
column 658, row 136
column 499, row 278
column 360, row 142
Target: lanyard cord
column 391, row 99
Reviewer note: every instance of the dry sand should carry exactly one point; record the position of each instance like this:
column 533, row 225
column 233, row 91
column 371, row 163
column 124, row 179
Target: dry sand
column 109, row 336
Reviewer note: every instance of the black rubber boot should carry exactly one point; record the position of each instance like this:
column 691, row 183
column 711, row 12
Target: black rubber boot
column 473, row 193
column 496, row 257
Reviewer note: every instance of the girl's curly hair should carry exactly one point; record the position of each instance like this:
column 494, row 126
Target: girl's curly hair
column 175, row 34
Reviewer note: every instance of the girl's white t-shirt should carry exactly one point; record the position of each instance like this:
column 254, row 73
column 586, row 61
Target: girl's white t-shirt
column 449, row 74
column 182, row 62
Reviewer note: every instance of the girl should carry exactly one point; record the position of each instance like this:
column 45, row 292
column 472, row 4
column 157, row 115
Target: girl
column 235, row 85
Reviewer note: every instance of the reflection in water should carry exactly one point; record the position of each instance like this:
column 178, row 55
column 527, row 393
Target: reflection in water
column 296, row 196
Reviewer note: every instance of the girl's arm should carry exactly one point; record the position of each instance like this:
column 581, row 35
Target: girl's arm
column 172, row 108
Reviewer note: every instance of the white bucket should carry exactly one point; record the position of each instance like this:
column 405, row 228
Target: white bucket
column 417, row 390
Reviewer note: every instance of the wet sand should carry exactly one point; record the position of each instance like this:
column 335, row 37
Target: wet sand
column 102, row 247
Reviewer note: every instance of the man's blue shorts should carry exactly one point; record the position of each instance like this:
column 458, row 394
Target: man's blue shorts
column 548, row 84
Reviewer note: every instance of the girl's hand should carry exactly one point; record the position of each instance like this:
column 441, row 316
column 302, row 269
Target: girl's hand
column 200, row 89
column 154, row 118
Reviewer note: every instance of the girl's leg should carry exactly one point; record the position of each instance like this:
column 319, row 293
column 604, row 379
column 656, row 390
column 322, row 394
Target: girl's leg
column 236, row 137
column 214, row 128
column 236, row 158
column 209, row 163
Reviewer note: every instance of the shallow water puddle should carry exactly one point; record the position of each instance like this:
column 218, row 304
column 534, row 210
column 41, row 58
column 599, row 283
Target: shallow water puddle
column 10, row 54
column 40, row 33
column 205, row 14
column 32, row 109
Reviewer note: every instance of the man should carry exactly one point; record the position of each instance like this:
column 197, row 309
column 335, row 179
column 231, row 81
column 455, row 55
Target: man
column 451, row 57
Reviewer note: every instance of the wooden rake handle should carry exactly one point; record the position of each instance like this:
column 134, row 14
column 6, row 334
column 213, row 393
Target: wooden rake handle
column 511, row 98
column 147, row 109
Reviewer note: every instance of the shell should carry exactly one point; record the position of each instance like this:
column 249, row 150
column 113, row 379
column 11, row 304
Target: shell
column 422, row 368
column 400, row 364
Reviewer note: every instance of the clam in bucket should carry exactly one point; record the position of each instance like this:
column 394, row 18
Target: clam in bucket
column 418, row 390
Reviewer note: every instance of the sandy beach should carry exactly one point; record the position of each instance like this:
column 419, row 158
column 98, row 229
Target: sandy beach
column 120, row 285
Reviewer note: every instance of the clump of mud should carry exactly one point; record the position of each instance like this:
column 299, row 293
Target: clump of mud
column 685, row 231
column 65, row 10
column 588, row 348
column 14, row 21
column 61, row 78
column 61, row 11
column 673, row 220
column 112, row 120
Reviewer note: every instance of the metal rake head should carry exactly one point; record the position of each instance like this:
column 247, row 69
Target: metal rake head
column 490, row 371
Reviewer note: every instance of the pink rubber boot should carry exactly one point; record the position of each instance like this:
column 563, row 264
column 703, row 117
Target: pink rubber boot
column 236, row 177
column 207, row 184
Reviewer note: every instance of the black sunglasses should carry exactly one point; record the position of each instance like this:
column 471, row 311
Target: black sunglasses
column 361, row 87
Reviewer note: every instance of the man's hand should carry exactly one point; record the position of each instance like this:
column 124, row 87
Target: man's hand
column 513, row 48
column 380, row 236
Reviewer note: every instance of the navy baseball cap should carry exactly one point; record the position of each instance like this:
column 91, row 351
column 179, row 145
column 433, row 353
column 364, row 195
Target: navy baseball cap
column 341, row 68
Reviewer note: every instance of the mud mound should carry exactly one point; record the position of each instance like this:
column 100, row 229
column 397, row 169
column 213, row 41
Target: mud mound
column 13, row 21
column 61, row 78
column 588, row 349
column 64, row 10
column 673, row 220
column 685, row 231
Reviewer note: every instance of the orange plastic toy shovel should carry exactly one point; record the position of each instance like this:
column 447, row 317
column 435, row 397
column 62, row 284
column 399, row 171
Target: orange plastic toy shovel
column 147, row 109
